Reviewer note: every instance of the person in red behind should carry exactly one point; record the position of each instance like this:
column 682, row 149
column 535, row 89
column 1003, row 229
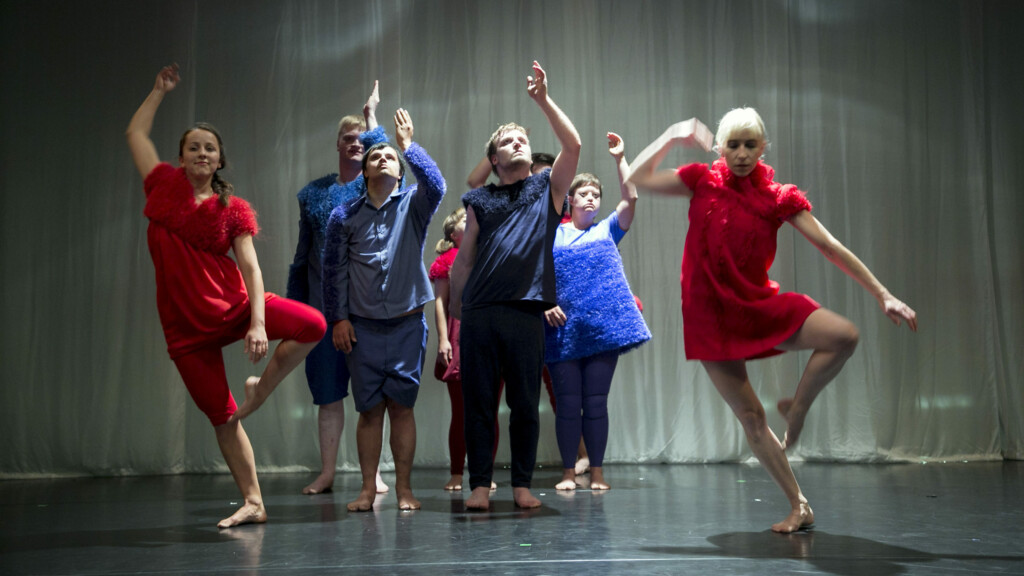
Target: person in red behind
column 205, row 300
column 732, row 311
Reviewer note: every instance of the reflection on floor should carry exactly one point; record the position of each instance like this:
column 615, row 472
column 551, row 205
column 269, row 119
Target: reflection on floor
column 709, row 519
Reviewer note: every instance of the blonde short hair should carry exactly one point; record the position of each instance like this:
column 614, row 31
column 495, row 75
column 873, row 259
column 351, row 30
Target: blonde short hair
column 349, row 122
column 739, row 120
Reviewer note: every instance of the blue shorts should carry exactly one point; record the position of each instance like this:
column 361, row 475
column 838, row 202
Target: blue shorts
column 326, row 372
column 387, row 360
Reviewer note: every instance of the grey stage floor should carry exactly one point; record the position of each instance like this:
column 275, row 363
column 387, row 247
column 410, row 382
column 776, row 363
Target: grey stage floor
column 871, row 519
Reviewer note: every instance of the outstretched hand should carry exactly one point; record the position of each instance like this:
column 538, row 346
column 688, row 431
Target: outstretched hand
column 537, row 85
column 616, row 147
column 897, row 311
column 167, row 79
column 403, row 128
column 370, row 108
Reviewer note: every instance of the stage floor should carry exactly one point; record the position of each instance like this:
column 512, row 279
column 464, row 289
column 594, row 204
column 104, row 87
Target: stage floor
column 878, row 520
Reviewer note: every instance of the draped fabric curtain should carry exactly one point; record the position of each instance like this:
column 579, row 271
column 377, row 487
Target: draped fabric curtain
column 901, row 120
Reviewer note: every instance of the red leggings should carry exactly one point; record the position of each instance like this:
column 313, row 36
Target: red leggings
column 203, row 370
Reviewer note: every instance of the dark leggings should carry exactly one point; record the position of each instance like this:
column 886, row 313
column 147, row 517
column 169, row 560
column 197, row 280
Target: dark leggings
column 581, row 388
column 501, row 342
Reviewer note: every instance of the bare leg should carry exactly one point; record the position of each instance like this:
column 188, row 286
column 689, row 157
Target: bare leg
column 582, row 459
column 403, row 448
column 234, row 445
column 286, row 357
column 597, row 479
column 524, row 498
column 833, row 339
column 730, row 378
column 454, row 483
column 568, row 481
column 368, row 442
column 330, row 421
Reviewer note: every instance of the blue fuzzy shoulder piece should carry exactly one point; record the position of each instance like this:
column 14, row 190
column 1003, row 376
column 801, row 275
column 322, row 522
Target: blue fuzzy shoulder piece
column 601, row 314
column 493, row 202
column 371, row 137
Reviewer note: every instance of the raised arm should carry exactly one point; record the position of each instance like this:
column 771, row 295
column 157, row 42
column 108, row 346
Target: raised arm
column 848, row 262
column 564, row 168
column 627, row 205
column 370, row 108
column 256, row 343
column 478, row 176
column 463, row 264
column 143, row 151
column 430, row 184
column 642, row 171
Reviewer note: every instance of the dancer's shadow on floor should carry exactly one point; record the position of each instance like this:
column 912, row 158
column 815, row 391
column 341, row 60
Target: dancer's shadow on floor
column 832, row 553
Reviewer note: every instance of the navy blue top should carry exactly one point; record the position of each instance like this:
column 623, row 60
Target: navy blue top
column 316, row 202
column 513, row 252
column 373, row 260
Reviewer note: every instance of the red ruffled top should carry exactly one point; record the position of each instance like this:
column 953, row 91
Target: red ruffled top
column 199, row 288
column 442, row 266
column 731, row 309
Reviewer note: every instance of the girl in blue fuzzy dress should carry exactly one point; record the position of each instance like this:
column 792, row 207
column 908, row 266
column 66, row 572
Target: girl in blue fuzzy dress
column 596, row 318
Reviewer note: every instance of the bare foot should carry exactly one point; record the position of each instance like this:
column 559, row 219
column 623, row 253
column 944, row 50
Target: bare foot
column 568, row 481
column 582, row 465
column 493, row 486
column 794, row 422
column 382, row 488
column 479, row 499
column 800, row 517
column 454, row 484
column 254, row 398
column 523, row 497
column 323, row 484
column 249, row 513
column 364, row 503
column 597, row 479
column 406, row 501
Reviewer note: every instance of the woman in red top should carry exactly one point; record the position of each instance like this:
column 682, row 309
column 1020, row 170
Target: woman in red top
column 205, row 300
column 732, row 311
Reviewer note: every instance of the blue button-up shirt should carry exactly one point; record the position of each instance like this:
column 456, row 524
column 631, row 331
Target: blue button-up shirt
column 373, row 259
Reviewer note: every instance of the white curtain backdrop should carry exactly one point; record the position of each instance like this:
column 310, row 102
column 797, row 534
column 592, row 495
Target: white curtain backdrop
column 900, row 119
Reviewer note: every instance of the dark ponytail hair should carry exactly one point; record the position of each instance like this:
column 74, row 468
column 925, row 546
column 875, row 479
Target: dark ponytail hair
column 220, row 186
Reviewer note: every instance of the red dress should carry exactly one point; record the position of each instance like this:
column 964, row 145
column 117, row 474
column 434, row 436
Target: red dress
column 731, row 309
column 442, row 268
column 199, row 288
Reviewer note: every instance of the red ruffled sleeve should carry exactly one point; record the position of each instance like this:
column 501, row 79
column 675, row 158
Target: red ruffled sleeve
column 790, row 201
column 241, row 218
column 442, row 266
column 691, row 174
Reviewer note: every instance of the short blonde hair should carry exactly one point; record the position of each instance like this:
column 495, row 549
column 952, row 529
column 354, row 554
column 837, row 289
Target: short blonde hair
column 739, row 120
column 349, row 122
column 492, row 144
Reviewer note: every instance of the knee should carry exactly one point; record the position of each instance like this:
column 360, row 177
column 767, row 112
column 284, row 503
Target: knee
column 753, row 421
column 847, row 339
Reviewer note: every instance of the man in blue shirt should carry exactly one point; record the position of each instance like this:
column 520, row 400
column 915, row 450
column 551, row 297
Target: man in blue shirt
column 502, row 281
column 326, row 372
column 375, row 286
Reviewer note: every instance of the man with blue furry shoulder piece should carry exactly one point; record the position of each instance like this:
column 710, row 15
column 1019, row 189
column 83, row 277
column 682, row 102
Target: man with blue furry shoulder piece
column 502, row 281
column 375, row 287
column 326, row 372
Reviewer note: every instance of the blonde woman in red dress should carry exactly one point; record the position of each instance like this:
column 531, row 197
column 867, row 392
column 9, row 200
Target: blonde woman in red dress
column 732, row 311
